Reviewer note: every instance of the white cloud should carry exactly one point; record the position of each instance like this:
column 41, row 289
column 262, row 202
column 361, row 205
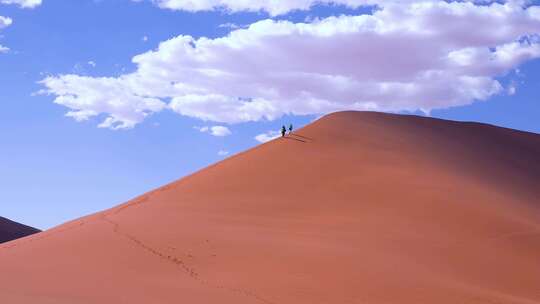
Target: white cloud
column 230, row 25
column 276, row 7
column 272, row 7
column 219, row 131
column 4, row 22
column 222, row 108
column 23, row 3
column 92, row 63
column 404, row 57
column 511, row 90
column 144, row 38
column 223, row 153
column 201, row 129
column 86, row 97
column 266, row 137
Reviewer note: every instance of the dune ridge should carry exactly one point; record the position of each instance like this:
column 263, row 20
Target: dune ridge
column 357, row 207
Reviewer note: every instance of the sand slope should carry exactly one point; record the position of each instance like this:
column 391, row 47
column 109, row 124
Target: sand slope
column 354, row 208
column 10, row 230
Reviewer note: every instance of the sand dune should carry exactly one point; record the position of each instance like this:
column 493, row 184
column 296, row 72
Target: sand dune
column 10, row 230
column 354, row 208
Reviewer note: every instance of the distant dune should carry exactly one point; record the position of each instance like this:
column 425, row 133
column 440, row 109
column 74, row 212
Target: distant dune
column 10, row 230
column 355, row 208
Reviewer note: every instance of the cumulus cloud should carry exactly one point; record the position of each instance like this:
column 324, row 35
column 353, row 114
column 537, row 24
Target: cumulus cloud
column 117, row 98
column 23, row 3
column 403, row 57
column 272, row 7
column 223, row 153
column 266, row 137
column 219, row 131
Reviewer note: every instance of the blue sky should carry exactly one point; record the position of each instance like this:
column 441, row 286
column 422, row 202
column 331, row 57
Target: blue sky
column 54, row 168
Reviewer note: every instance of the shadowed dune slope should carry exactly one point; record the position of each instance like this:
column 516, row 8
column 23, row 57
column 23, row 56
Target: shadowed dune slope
column 357, row 207
column 10, row 230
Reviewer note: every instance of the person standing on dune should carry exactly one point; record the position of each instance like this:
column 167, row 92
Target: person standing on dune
column 283, row 131
column 290, row 128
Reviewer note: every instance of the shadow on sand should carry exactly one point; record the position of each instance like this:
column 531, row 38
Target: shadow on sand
column 292, row 138
column 301, row 136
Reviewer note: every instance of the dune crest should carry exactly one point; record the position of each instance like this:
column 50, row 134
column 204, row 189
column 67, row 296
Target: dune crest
column 357, row 207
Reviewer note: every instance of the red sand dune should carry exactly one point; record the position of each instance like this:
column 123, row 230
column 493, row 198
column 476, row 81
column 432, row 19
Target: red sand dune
column 354, row 208
column 10, row 230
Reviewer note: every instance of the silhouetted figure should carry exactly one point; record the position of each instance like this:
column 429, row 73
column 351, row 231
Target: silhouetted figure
column 283, row 131
column 290, row 128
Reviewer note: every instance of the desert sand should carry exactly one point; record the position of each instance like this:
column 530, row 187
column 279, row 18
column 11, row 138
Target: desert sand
column 357, row 207
column 10, row 230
